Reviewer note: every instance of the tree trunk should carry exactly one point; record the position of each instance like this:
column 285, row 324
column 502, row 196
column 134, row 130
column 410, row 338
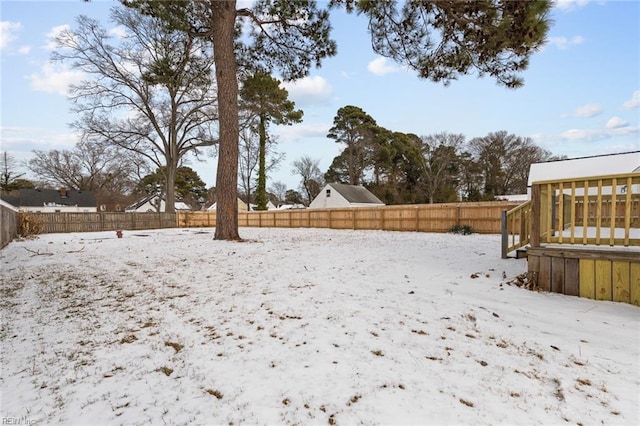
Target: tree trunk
column 170, row 186
column 261, row 190
column 222, row 23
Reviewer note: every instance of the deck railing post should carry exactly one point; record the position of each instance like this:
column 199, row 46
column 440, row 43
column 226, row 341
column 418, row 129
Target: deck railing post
column 535, row 215
column 505, row 235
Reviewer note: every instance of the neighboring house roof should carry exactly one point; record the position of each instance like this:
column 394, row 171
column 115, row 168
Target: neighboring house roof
column 140, row 202
column 242, row 206
column 153, row 199
column 355, row 194
column 50, row 197
column 291, row 206
column 513, row 197
column 270, row 206
column 342, row 195
column 595, row 165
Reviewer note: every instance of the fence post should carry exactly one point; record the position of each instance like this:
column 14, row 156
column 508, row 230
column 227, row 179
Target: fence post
column 505, row 235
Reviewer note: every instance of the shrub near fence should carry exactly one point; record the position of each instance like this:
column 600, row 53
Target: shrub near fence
column 482, row 217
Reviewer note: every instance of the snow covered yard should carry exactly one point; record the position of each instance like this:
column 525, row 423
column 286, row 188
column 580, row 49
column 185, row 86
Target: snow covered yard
column 302, row 326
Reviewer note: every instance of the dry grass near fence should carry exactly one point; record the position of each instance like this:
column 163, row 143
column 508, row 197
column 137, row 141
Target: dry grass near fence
column 29, row 225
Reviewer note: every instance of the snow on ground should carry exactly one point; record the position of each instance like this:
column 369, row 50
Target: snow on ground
column 302, row 326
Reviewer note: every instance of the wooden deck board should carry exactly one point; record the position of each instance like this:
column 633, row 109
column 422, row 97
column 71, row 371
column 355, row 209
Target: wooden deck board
column 587, row 278
column 572, row 277
column 603, row 280
column 634, row 283
column 557, row 274
column 620, row 277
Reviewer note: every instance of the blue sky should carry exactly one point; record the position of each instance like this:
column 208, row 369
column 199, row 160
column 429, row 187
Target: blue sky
column 581, row 95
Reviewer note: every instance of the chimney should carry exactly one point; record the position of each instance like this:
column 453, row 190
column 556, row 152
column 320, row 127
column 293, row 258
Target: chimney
column 63, row 192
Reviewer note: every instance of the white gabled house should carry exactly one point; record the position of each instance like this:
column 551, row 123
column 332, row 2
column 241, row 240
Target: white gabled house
column 154, row 203
column 341, row 195
column 242, row 206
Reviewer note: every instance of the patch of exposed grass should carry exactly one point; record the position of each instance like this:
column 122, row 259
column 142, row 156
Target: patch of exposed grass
column 215, row 393
column 466, row 402
column 166, row 370
column 176, row 346
column 128, row 339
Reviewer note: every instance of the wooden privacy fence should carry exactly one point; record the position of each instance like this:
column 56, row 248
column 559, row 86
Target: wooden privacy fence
column 481, row 217
column 103, row 221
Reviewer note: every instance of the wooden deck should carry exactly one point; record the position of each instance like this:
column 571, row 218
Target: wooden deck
column 582, row 236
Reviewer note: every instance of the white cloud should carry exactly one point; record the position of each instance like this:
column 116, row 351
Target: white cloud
column 8, row 32
column 54, row 78
column 589, row 135
column 586, row 111
column 380, row 66
column 568, row 5
column 119, row 32
column 577, row 134
column 309, row 90
column 303, row 131
column 26, row 139
column 564, row 43
column 52, row 34
column 616, row 123
column 634, row 102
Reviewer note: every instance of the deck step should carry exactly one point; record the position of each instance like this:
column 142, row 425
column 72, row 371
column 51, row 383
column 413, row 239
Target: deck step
column 521, row 253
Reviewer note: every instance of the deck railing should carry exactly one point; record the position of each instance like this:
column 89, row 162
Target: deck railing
column 597, row 210
column 516, row 228
column 594, row 211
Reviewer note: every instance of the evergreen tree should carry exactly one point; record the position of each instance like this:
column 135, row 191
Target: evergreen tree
column 262, row 96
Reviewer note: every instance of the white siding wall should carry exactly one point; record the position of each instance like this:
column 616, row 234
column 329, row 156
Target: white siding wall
column 335, row 200
column 64, row 209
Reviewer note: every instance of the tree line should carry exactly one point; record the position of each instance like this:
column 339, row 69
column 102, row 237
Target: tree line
column 172, row 86
column 404, row 168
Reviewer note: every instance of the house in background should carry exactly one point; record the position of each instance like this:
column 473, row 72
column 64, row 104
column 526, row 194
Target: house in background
column 290, row 206
column 154, row 203
column 242, row 206
column 51, row 200
column 341, row 195
column 270, row 206
column 596, row 165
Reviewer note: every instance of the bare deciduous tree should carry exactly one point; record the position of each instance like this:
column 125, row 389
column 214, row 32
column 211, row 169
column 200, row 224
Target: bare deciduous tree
column 110, row 172
column 149, row 92
column 440, row 161
column 311, row 180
